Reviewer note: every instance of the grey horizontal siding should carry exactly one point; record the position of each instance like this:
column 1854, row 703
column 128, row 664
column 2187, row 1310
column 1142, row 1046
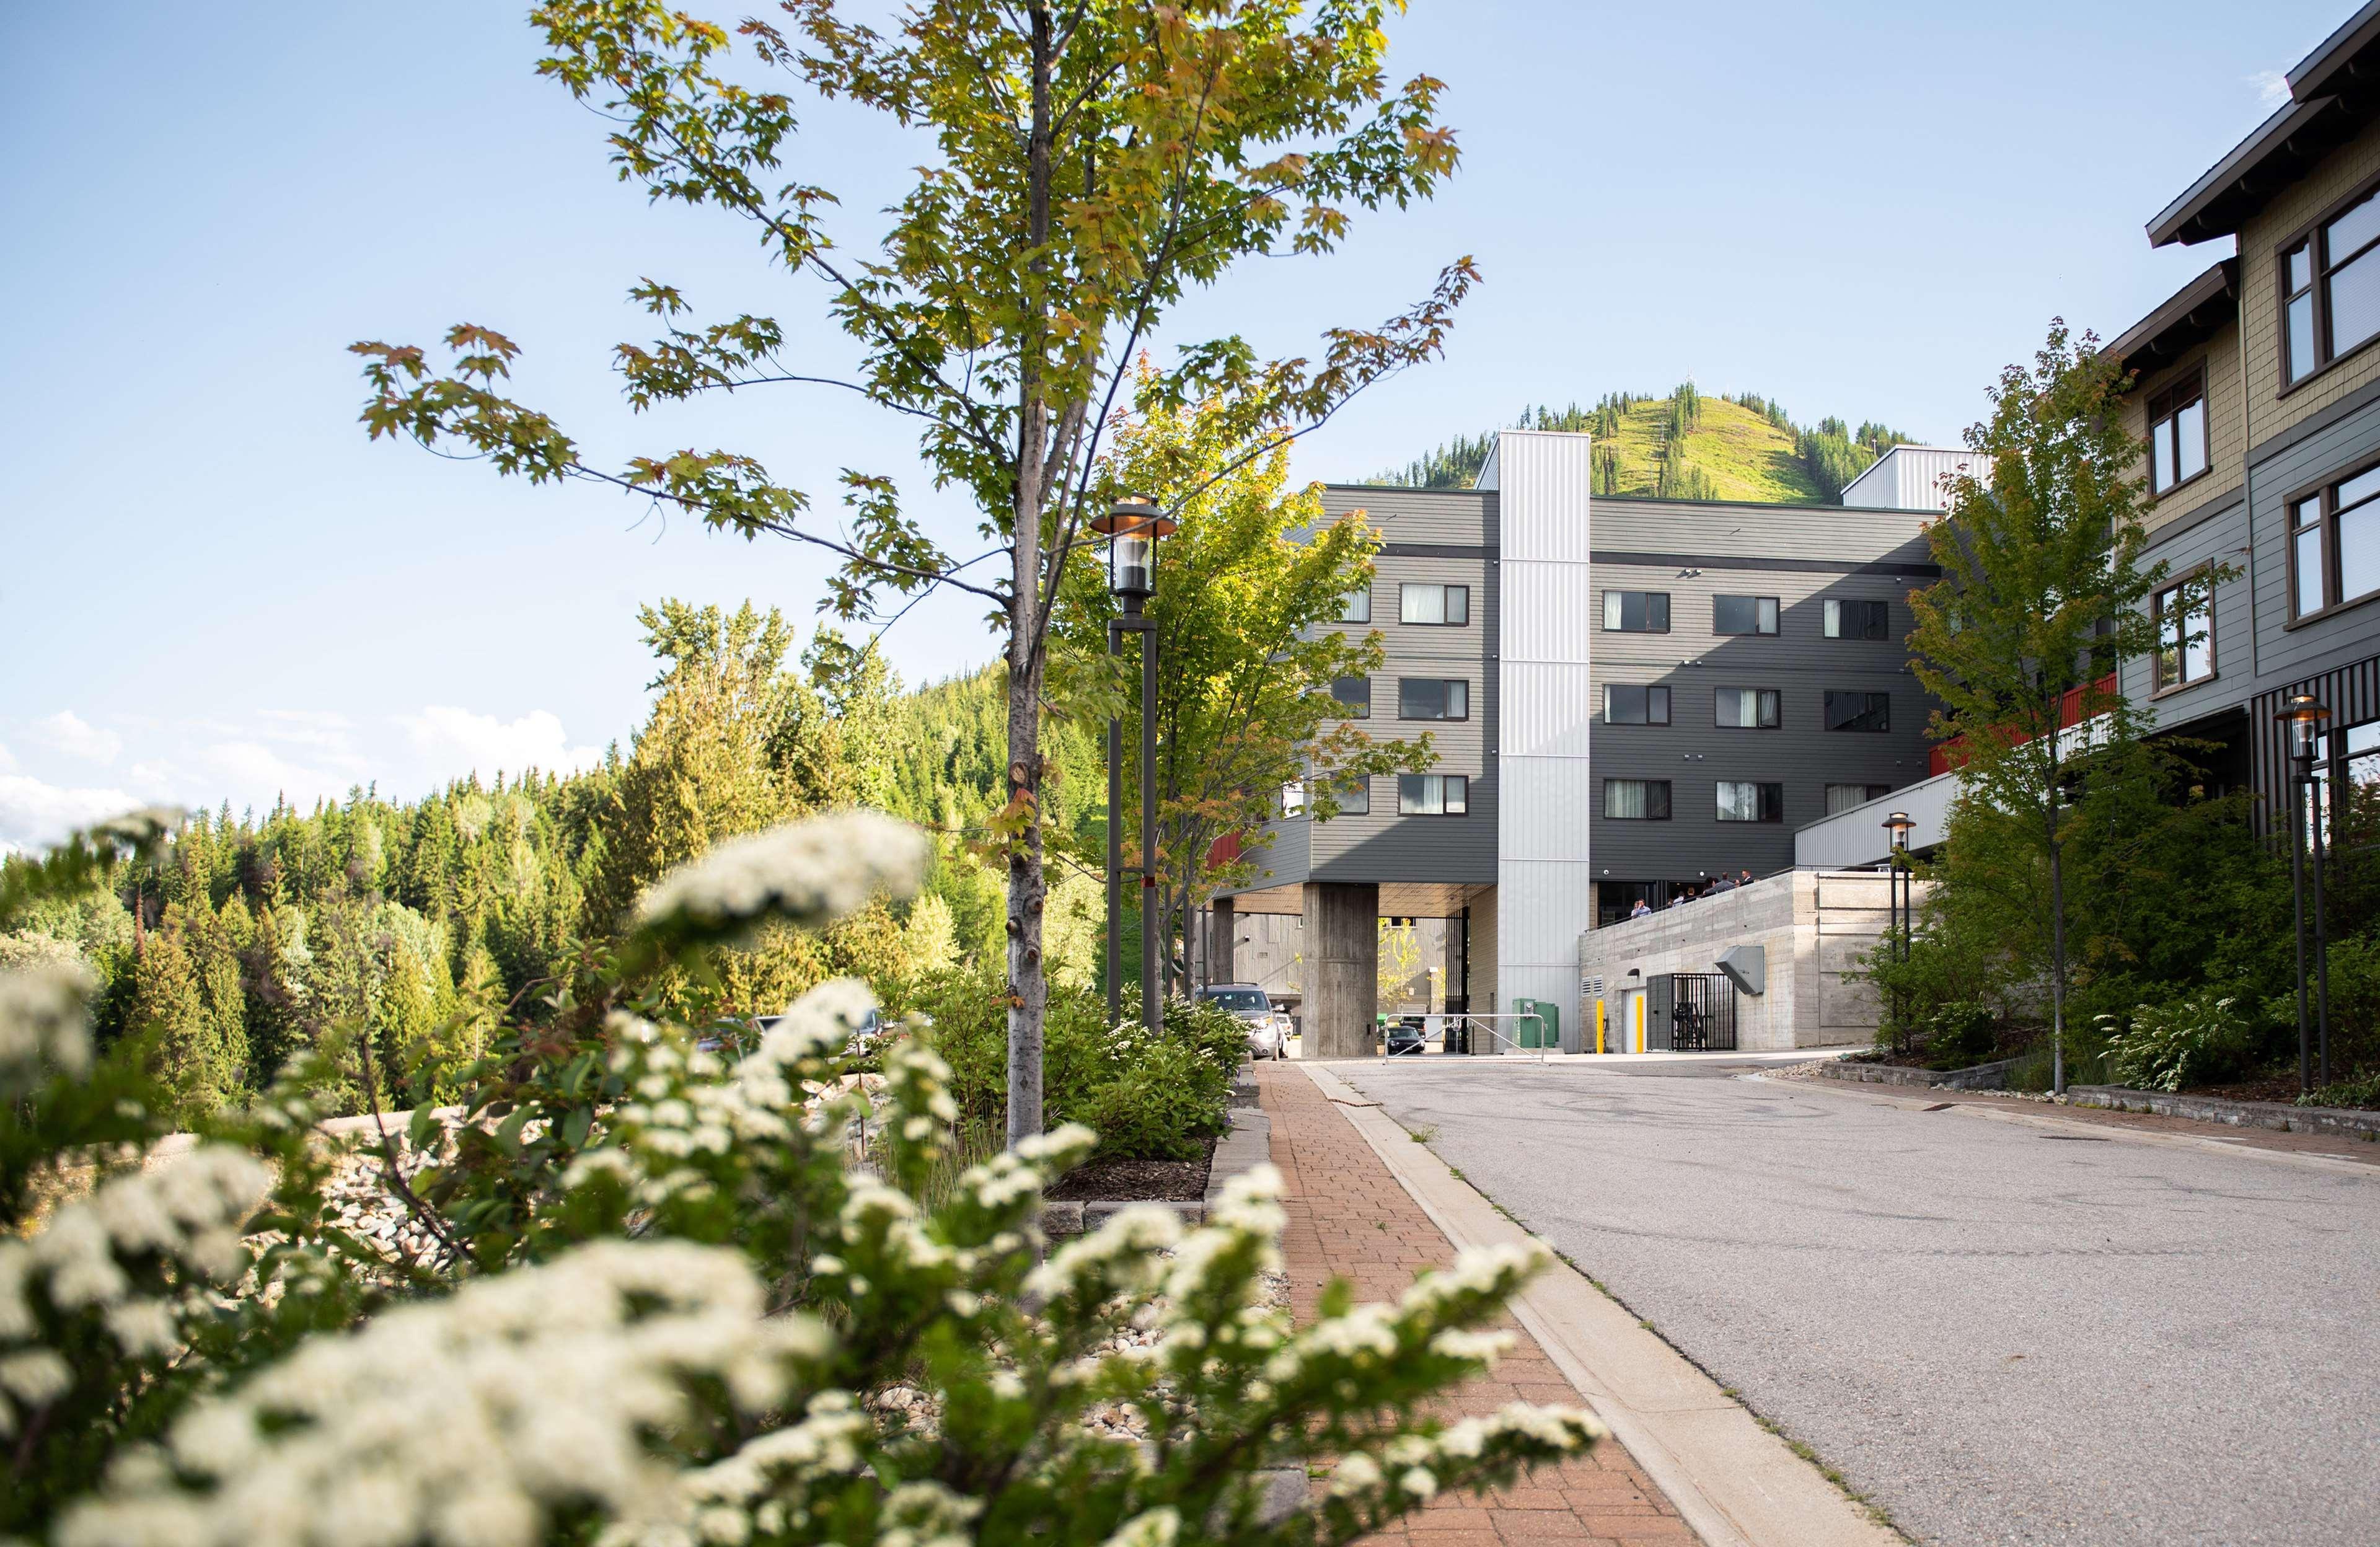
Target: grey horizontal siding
column 1883, row 556
column 1760, row 530
column 1383, row 846
column 2219, row 535
column 2337, row 448
column 1437, row 516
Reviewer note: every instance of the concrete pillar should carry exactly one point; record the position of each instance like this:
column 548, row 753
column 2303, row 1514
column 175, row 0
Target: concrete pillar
column 1222, row 934
column 1342, row 969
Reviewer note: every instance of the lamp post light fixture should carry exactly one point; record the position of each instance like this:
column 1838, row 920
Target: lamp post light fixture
column 1900, row 897
column 1132, row 529
column 2305, row 717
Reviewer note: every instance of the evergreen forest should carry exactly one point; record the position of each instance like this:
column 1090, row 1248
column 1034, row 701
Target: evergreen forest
column 396, row 936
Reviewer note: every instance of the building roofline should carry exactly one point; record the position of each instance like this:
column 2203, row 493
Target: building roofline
column 1905, row 446
column 2337, row 54
column 2227, row 193
column 1769, row 504
column 2183, row 320
column 1656, row 499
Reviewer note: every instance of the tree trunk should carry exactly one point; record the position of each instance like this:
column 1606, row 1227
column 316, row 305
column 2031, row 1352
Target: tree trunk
column 2057, row 957
column 1028, row 990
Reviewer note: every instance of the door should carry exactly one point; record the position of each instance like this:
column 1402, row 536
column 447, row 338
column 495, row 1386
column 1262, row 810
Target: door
column 1631, row 1021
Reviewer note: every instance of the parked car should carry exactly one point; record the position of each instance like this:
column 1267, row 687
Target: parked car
column 1406, row 1036
column 1268, row 1028
column 735, row 1040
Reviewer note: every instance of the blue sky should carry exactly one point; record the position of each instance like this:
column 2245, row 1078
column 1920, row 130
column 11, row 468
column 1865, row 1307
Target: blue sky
column 214, row 588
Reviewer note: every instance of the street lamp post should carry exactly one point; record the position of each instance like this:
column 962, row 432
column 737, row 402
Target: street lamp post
column 1132, row 529
column 2305, row 716
column 1900, row 896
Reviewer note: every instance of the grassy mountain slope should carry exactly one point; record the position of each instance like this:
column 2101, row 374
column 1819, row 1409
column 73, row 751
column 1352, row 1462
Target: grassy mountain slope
column 1747, row 457
column 1684, row 445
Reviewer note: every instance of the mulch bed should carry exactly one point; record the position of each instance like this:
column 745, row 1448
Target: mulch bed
column 1137, row 1181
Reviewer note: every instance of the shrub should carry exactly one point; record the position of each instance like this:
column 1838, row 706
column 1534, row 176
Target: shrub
column 2192, row 1040
column 665, row 1305
column 1961, row 1034
column 2356, row 1093
column 1148, row 1097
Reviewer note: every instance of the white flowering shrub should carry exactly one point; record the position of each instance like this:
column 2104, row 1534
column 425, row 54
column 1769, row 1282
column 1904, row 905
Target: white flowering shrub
column 671, row 1302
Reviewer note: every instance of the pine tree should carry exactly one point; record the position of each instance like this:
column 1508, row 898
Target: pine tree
column 168, row 1006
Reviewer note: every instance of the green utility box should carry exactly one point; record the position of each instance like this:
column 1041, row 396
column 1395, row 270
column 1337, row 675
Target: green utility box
column 1544, row 1032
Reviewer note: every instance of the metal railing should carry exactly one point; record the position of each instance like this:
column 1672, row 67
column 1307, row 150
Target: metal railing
column 1486, row 1024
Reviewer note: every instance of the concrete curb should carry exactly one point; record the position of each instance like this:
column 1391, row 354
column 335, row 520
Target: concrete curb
column 2051, row 1117
column 1735, row 1483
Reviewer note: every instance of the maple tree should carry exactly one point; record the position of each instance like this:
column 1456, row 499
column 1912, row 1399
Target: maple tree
column 1245, row 619
column 1084, row 166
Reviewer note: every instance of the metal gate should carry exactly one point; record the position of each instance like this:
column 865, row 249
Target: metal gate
column 1689, row 1012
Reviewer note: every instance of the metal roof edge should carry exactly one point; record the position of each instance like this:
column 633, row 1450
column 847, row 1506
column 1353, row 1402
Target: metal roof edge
column 2352, row 37
column 2217, row 179
column 2219, row 278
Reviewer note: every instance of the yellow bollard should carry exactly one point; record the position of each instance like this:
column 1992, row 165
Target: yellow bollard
column 1598, row 1025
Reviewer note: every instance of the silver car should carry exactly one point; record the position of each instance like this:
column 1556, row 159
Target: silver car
column 1268, row 1028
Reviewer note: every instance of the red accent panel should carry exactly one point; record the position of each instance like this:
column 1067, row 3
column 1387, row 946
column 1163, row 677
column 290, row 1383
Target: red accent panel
column 1946, row 756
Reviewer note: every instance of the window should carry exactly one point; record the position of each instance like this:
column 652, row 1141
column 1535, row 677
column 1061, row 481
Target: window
column 1858, row 620
column 2177, row 431
column 1353, row 795
column 1625, row 705
column 1842, row 797
column 1355, row 696
column 1636, row 800
column 1433, row 697
column 1293, row 798
column 1858, row 712
column 1636, row 612
column 1356, row 607
column 1450, row 605
column 1433, row 794
column 2334, row 544
column 2185, row 625
column 2330, row 289
column 1744, row 615
column 1749, row 708
column 2359, row 748
column 1747, row 800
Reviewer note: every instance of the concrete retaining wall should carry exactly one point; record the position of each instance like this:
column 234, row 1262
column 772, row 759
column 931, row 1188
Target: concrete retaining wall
column 1980, row 1076
column 2239, row 1115
column 1815, row 926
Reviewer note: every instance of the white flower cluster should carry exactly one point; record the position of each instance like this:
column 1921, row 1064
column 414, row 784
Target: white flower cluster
column 806, row 872
column 684, row 1104
column 765, row 1488
column 185, row 1215
column 1410, row 1465
column 142, row 827
column 43, row 1024
column 467, row 1421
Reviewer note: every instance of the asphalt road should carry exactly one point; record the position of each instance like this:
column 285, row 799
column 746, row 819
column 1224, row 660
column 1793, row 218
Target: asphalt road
column 1998, row 1334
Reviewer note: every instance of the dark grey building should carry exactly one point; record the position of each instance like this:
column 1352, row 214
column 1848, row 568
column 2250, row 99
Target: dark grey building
column 1628, row 699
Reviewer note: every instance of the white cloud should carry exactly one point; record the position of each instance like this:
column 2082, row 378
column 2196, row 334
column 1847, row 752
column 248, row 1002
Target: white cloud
column 252, row 770
column 2272, row 87
column 457, row 741
column 34, row 813
column 69, row 733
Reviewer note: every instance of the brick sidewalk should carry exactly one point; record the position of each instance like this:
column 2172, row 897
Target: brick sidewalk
column 1349, row 1218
